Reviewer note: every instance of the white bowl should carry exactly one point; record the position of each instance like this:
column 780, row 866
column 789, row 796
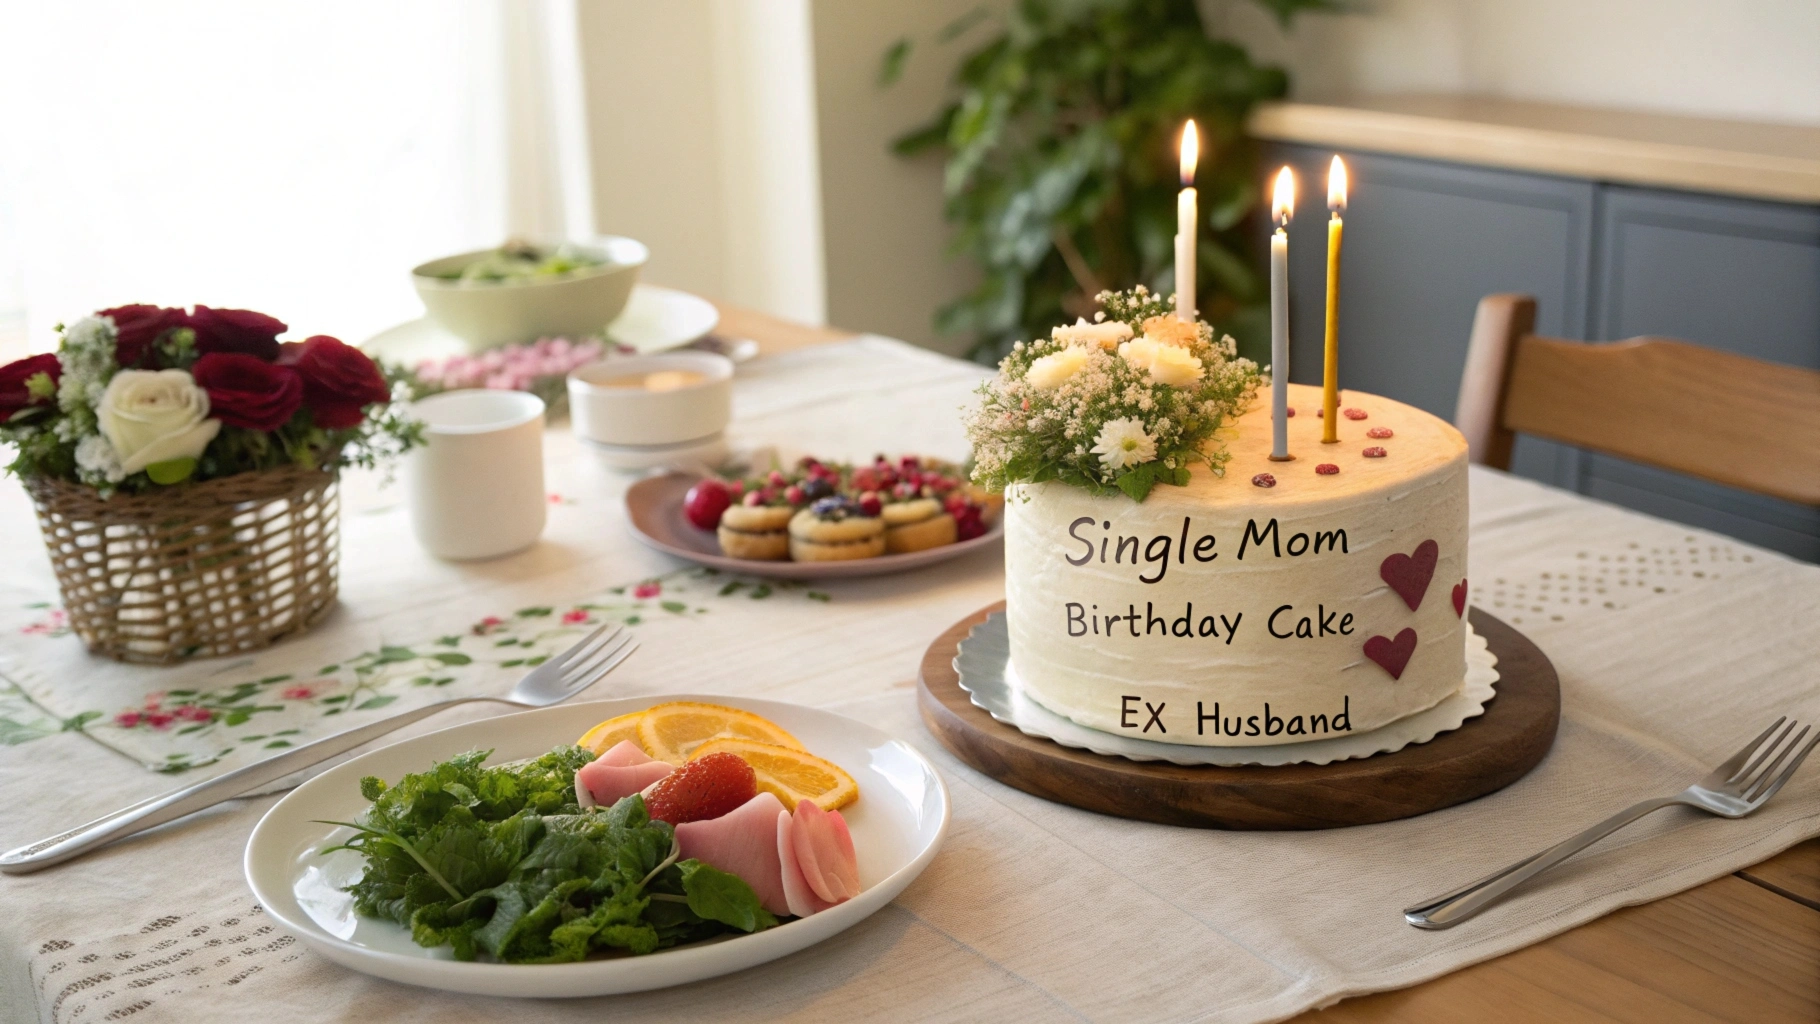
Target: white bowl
column 704, row 456
column 633, row 416
column 490, row 313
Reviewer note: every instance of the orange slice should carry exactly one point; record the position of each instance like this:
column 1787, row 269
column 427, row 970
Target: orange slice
column 790, row 773
column 674, row 732
column 611, row 733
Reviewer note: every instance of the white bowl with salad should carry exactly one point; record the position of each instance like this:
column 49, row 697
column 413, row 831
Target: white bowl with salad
column 523, row 291
column 329, row 863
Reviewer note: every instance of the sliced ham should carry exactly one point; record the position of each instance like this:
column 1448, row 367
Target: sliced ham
column 816, row 854
column 824, row 852
column 619, row 773
column 743, row 842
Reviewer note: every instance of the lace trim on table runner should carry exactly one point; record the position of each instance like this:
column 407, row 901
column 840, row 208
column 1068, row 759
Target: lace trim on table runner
column 273, row 702
column 116, row 977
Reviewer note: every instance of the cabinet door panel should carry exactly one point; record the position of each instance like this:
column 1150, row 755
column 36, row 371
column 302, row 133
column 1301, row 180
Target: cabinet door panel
column 1424, row 242
column 1728, row 273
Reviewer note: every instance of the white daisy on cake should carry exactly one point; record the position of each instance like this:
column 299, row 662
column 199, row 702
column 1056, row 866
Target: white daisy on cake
column 1123, row 443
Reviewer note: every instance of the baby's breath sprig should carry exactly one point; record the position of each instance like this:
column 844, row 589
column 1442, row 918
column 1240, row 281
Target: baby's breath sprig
column 1108, row 408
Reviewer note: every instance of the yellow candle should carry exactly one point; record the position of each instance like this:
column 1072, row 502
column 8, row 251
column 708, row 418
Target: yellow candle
column 1330, row 378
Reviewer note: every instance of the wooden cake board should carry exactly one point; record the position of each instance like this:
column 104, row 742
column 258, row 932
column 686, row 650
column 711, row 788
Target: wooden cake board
column 1482, row 756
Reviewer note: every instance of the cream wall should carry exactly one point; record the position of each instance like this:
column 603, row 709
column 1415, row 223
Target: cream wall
column 882, row 215
column 1747, row 59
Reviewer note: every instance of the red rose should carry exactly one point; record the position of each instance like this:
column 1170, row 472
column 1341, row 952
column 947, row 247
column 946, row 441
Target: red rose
column 339, row 381
column 248, row 392
column 15, row 394
column 236, row 330
column 137, row 326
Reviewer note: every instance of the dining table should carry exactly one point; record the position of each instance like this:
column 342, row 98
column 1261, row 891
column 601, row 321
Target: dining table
column 1674, row 645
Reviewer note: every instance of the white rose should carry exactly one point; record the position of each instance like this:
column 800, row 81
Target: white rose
column 1054, row 370
column 155, row 416
column 1166, row 363
column 1106, row 334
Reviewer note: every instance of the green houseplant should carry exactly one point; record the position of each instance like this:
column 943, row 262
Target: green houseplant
column 1061, row 161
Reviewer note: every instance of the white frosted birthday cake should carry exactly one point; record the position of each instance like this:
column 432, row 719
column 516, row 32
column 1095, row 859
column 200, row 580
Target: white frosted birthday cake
column 1273, row 602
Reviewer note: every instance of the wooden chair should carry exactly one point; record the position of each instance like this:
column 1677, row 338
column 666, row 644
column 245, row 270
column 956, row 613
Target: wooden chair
column 1721, row 417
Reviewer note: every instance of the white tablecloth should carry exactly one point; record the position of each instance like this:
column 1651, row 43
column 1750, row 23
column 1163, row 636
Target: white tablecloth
column 1673, row 646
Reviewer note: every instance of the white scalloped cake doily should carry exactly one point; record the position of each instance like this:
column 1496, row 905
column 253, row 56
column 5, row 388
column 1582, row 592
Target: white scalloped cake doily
column 983, row 663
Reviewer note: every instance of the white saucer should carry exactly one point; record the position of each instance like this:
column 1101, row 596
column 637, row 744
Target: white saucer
column 897, row 824
column 655, row 320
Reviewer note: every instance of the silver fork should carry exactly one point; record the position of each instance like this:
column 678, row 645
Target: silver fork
column 1733, row 790
column 556, row 680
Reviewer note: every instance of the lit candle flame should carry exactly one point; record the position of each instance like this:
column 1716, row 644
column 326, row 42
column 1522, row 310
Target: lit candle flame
column 1282, row 206
column 1336, row 186
column 1191, row 153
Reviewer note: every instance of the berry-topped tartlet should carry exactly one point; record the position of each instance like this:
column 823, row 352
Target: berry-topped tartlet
column 819, row 511
column 836, row 529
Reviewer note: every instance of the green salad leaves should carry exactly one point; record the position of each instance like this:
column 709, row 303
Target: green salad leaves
column 502, row 860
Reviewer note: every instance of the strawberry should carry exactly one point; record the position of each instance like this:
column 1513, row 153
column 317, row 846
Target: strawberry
column 706, row 787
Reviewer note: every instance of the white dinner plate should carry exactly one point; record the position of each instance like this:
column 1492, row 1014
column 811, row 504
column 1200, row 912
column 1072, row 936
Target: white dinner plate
column 655, row 320
column 897, row 823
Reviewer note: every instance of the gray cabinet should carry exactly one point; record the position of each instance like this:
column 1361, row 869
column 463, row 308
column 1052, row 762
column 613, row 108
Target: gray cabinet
column 1426, row 240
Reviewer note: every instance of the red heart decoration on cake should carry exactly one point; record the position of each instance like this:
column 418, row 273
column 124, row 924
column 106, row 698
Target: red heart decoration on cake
column 1459, row 599
column 1392, row 655
column 1408, row 575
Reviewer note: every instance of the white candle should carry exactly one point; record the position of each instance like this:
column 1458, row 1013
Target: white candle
column 1281, row 208
column 1186, row 213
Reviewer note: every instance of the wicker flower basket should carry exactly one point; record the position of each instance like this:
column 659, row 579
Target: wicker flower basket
column 196, row 570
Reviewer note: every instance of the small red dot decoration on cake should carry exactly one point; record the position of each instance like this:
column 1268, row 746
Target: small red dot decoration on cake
column 1375, row 452
column 1379, row 432
column 1327, row 469
column 1291, row 412
column 1264, row 480
column 1355, row 414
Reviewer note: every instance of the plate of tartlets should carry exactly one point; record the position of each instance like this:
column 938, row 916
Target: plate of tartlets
column 816, row 519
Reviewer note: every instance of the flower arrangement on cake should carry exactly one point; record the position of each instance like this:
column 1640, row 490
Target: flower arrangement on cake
column 183, row 464
column 1118, row 405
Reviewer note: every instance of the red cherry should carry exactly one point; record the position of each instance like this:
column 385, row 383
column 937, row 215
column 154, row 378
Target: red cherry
column 777, row 479
column 705, row 502
column 794, row 495
column 869, row 504
column 753, row 499
column 908, row 463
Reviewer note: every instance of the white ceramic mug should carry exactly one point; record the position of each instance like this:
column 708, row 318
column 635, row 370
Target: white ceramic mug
column 476, row 489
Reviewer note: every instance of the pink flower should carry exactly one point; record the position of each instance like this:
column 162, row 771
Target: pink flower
column 647, row 589
column 574, row 616
column 192, row 713
column 487, row 625
column 154, row 699
column 306, row 690
column 160, row 719
column 127, row 719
